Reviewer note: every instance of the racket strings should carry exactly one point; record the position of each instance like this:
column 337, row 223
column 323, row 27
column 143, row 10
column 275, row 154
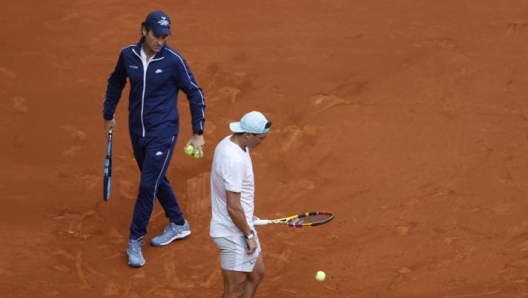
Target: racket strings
column 315, row 218
column 312, row 219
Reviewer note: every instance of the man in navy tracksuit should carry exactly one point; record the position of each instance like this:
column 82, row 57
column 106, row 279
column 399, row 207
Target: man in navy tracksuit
column 156, row 73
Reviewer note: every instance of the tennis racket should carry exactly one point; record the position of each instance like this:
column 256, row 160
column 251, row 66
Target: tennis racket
column 303, row 220
column 107, row 183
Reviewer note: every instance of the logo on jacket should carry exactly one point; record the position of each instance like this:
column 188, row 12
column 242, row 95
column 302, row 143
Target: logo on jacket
column 133, row 66
column 159, row 153
column 159, row 70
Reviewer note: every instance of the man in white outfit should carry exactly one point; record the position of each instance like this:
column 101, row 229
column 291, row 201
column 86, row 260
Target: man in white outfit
column 232, row 198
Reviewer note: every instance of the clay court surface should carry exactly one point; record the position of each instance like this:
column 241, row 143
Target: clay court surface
column 408, row 119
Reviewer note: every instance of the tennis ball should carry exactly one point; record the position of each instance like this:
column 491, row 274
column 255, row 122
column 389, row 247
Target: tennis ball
column 189, row 150
column 320, row 275
column 197, row 154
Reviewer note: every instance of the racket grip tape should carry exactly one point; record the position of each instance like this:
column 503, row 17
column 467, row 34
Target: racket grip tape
column 260, row 222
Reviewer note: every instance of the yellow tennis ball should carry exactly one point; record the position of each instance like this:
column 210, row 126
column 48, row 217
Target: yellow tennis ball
column 189, row 150
column 197, row 154
column 320, row 275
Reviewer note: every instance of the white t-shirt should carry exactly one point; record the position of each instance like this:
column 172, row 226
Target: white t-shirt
column 232, row 170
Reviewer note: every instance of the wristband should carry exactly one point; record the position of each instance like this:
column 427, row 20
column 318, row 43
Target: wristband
column 250, row 236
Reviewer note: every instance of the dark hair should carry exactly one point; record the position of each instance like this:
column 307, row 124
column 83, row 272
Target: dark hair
column 146, row 26
column 267, row 126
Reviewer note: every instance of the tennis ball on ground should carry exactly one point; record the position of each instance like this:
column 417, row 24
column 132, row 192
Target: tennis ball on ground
column 320, row 275
column 189, row 150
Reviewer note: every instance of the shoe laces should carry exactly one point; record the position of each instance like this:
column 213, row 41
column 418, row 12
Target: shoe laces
column 176, row 229
column 135, row 245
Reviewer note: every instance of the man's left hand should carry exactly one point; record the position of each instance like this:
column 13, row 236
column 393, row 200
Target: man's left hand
column 197, row 141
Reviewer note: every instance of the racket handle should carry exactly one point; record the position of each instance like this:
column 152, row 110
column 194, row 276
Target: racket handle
column 260, row 222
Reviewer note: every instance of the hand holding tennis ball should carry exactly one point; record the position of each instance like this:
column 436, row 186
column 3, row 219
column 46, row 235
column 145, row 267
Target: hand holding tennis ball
column 189, row 150
column 195, row 146
column 320, row 276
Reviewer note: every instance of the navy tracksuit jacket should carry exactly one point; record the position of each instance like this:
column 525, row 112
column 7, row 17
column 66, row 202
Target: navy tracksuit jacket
column 154, row 122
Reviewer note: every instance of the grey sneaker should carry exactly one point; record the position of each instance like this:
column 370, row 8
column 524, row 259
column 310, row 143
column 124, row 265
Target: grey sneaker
column 171, row 233
column 135, row 258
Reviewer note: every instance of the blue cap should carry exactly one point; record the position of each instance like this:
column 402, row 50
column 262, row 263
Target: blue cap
column 252, row 122
column 159, row 23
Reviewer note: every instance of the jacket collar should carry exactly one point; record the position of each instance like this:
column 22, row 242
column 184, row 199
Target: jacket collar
column 159, row 55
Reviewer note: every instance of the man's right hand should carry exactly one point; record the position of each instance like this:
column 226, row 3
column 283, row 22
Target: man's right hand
column 109, row 125
column 251, row 245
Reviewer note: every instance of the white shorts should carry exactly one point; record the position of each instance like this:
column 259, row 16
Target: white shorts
column 233, row 254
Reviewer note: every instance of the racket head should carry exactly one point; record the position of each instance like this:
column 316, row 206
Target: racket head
column 107, row 180
column 310, row 219
column 302, row 220
column 106, row 188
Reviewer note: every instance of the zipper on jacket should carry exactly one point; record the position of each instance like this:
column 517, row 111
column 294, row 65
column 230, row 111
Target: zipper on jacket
column 145, row 68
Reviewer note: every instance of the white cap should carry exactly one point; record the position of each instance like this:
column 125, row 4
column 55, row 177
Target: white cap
column 252, row 122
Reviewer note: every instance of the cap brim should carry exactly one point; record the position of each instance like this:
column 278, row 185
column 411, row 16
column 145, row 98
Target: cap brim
column 161, row 31
column 235, row 127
